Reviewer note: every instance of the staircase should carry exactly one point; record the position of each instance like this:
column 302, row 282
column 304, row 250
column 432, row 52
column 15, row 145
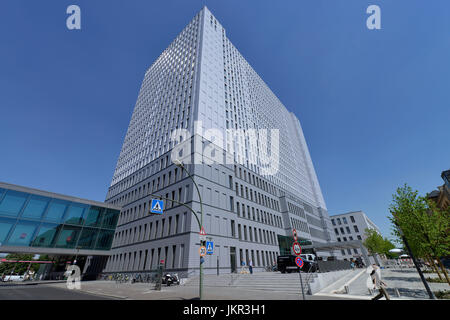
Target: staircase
column 273, row 281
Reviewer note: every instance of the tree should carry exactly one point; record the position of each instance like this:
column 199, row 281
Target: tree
column 425, row 227
column 20, row 267
column 373, row 242
column 376, row 244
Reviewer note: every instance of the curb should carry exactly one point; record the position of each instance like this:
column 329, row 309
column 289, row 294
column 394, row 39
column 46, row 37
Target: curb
column 104, row 294
column 20, row 284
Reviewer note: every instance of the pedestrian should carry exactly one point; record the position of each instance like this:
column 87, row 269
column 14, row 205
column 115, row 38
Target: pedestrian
column 378, row 284
column 352, row 264
column 250, row 266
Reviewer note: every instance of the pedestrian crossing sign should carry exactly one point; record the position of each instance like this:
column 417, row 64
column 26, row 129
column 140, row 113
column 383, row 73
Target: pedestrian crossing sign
column 157, row 206
column 209, row 247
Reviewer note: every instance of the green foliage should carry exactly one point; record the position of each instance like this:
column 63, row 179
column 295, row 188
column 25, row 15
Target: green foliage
column 375, row 243
column 20, row 268
column 436, row 280
column 425, row 226
column 442, row 294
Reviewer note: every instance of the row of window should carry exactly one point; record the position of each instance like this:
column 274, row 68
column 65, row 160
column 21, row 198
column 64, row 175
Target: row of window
column 344, row 220
column 260, row 216
column 257, row 197
column 34, row 207
column 299, row 225
column 255, row 180
column 254, row 234
column 347, row 228
column 149, row 231
column 156, row 184
column 148, row 259
column 350, row 238
column 263, row 258
column 349, row 251
column 40, row 234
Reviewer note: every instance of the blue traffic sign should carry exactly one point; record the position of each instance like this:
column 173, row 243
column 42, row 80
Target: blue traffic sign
column 209, row 247
column 299, row 262
column 157, row 206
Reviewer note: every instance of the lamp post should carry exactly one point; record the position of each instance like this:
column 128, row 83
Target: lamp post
column 179, row 164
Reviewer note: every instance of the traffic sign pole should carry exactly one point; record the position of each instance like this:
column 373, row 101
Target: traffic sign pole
column 301, row 283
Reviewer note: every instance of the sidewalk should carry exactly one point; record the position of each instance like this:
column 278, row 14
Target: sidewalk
column 142, row 291
column 406, row 281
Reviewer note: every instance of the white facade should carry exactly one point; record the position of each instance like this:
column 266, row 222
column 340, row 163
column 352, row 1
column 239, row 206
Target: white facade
column 351, row 226
column 201, row 83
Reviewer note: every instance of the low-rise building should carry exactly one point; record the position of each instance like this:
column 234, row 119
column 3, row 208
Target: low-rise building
column 351, row 226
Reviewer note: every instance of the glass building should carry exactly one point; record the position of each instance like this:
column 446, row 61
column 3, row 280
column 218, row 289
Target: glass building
column 37, row 221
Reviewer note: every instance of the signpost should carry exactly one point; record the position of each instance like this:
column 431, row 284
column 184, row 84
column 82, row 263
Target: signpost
column 202, row 251
column 299, row 262
column 298, row 251
column 202, row 235
column 157, row 206
column 209, row 247
column 296, row 248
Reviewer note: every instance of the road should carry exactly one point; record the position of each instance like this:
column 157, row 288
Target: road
column 44, row 292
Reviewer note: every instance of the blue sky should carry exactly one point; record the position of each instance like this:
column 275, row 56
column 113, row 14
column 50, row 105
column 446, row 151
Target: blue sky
column 374, row 104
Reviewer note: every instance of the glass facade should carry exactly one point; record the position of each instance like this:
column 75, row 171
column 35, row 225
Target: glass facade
column 32, row 220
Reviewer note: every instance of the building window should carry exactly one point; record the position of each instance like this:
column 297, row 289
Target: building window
column 233, row 232
column 352, row 219
column 333, row 222
column 345, row 220
column 359, row 238
column 336, row 231
column 356, row 228
column 342, row 230
column 339, row 221
column 348, row 229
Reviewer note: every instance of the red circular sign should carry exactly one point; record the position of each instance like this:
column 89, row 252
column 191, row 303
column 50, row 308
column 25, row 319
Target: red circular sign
column 296, row 248
column 294, row 233
column 299, row 262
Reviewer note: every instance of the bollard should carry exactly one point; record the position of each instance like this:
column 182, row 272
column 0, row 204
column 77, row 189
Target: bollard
column 346, row 289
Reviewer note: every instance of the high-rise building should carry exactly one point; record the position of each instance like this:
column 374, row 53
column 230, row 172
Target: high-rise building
column 202, row 103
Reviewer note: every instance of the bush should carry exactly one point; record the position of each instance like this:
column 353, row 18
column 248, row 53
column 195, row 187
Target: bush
column 442, row 294
column 436, row 280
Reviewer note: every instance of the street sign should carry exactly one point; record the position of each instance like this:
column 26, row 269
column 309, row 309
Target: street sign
column 202, row 251
column 157, row 206
column 294, row 233
column 202, row 235
column 296, row 248
column 299, row 262
column 209, row 247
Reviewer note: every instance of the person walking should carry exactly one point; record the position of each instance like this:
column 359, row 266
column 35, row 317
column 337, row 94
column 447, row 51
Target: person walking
column 378, row 284
column 250, row 266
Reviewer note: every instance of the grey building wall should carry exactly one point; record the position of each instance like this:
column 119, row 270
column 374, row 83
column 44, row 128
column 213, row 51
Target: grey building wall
column 243, row 209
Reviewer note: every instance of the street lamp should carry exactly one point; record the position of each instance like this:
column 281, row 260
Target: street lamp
column 179, row 164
